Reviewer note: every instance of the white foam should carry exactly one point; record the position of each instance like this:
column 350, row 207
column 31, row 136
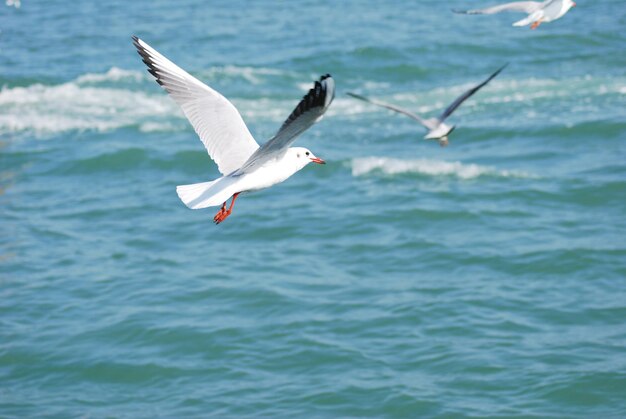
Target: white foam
column 433, row 101
column 159, row 127
column 43, row 109
column 264, row 109
column 119, row 98
column 253, row 75
column 116, row 99
column 114, row 74
column 391, row 166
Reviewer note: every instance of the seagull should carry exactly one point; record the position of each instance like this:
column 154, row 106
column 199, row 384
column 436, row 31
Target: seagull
column 538, row 12
column 437, row 128
column 244, row 164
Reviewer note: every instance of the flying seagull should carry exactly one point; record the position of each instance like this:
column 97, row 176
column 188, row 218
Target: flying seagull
column 244, row 165
column 538, row 12
column 437, row 128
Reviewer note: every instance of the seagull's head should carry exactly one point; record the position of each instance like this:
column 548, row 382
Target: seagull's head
column 570, row 4
column 302, row 156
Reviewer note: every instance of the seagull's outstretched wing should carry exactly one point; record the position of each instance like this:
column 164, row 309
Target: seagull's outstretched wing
column 516, row 6
column 216, row 121
column 425, row 122
column 310, row 110
column 467, row 95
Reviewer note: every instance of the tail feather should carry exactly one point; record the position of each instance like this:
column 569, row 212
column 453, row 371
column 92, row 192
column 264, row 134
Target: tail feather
column 533, row 17
column 201, row 195
column 523, row 22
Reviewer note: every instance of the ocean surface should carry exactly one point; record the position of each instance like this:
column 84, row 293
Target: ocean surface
column 402, row 279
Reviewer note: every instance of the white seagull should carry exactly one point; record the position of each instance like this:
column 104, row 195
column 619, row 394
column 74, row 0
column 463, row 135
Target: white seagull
column 245, row 166
column 437, row 128
column 538, row 12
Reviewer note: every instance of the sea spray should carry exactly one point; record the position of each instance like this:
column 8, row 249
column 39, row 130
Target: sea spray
column 391, row 166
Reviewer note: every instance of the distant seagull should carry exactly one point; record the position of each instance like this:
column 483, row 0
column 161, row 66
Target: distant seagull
column 437, row 129
column 245, row 166
column 538, row 12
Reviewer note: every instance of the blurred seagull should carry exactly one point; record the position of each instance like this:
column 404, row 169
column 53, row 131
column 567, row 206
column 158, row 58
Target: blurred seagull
column 437, row 129
column 538, row 12
column 245, row 166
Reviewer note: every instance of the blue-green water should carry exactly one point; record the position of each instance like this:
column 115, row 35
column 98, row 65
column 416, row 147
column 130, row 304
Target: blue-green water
column 400, row 280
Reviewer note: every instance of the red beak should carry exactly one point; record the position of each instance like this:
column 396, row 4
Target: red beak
column 318, row 160
column 573, row 4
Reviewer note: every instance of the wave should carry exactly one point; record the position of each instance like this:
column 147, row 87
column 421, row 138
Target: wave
column 81, row 104
column 120, row 98
column 391, row 166
column 112, row 100
column 114, row 74
column 579, row 98
column 253, row 75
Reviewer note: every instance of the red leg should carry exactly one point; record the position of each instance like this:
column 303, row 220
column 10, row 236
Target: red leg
column 535, row 25
column 220, row 212
column 223, row 213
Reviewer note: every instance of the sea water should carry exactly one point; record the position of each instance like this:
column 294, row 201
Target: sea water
column 401, row 279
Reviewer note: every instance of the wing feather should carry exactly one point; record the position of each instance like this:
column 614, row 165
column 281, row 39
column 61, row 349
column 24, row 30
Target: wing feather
column 516, row 6
column 425, row 122
column 309, row 111
column 216, row 121
column 467, row 95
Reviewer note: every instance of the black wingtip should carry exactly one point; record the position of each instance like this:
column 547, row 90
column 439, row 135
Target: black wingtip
column 500, row 69
column 354, row 95
column 317, row 95
column 320, row 96
column 148, row 61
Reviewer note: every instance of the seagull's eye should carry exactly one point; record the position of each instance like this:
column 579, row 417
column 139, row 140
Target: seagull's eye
column 298, row 155
column 307, row 153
